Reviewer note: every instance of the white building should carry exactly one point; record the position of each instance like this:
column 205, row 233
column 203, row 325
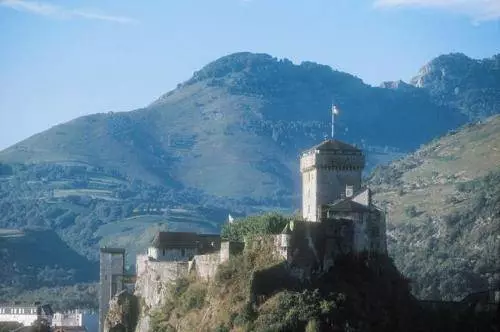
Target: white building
column 25, row 314
column 70, row 318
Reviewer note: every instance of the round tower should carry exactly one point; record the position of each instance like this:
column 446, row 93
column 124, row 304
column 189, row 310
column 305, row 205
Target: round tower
column 328, row 169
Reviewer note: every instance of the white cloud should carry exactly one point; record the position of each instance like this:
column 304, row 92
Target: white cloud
column 479, row 10
column 50, row 10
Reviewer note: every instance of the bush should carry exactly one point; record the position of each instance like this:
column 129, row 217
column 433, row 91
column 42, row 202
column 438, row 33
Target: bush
column 270, row 223
column 222, row 328
column 411, row 211
column 313, row 326
column 193, row 297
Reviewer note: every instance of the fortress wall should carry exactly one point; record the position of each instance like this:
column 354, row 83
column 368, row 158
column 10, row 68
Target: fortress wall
column 206, row 265
column 154, row 277
column 230, row 248
column 152, row 283
column 172, row 254
column 140, row 264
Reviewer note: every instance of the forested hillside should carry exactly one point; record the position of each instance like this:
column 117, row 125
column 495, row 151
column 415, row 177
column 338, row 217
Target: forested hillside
column 443, row 204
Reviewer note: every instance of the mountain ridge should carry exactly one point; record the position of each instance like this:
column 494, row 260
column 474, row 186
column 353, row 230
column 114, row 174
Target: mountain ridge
column 227, row 141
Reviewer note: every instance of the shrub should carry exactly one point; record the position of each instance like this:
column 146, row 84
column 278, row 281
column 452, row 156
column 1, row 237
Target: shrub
column 270, row 223
column 411, row 211
column 222, row 328
column 312, row 326
column 193, row 297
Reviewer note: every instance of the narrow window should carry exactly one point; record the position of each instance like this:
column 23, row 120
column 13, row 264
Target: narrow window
column 163, row 252
column 183, row 251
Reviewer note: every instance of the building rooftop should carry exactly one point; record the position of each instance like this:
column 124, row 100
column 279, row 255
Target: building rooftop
column 175, row 240
column 113, row 250
column 334, row 145
column 347, row 205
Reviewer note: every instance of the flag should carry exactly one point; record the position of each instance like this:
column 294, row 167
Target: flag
column 230, row 218
column 335, row 110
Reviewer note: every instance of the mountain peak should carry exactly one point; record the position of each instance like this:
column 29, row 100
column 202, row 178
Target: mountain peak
column 232, row 63
column 262, row 75
column 467, row 84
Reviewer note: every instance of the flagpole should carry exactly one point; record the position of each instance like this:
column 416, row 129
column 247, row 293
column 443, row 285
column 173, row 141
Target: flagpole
column 333, row 121
column 334, row 112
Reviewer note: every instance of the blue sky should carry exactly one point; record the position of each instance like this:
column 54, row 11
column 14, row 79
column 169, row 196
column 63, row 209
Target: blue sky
column 63, row 59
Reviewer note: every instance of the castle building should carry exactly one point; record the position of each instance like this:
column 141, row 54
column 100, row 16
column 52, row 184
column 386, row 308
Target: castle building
column 329, row 170
column 339, row 216
column 182, row 246
column 112, row 270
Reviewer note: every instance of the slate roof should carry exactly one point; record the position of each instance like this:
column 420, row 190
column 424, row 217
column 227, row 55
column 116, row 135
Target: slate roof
column 175, row 240
column 113, row 250
column 334, row 145
column 347, row 205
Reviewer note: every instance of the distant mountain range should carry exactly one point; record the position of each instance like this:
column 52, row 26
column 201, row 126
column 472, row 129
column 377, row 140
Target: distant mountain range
column 243, row 119
column 225, row 141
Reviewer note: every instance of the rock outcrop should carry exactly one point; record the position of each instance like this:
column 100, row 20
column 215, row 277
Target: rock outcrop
column 123, row 313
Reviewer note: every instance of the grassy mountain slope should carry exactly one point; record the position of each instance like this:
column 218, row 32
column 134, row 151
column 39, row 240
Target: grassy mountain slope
column 443, row 202
column 87, row 206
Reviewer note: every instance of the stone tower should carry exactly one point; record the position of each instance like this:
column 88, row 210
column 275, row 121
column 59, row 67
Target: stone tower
column 330, row 171
column 112, row 269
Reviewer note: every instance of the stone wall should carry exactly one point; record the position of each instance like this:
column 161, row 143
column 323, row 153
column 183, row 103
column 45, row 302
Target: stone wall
column 205, row 266
column 122, row 314
column 153, row 276
column 151, row 284
column 230, row 248
column 172, row 254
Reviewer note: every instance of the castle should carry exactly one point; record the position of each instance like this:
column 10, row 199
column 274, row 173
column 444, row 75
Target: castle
column 338, row 218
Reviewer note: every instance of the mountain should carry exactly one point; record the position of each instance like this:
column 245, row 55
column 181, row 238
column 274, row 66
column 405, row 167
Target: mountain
column 34, row 258
column 455, row 80
column 241, row 119
column 225, row 141
column 442, row 203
